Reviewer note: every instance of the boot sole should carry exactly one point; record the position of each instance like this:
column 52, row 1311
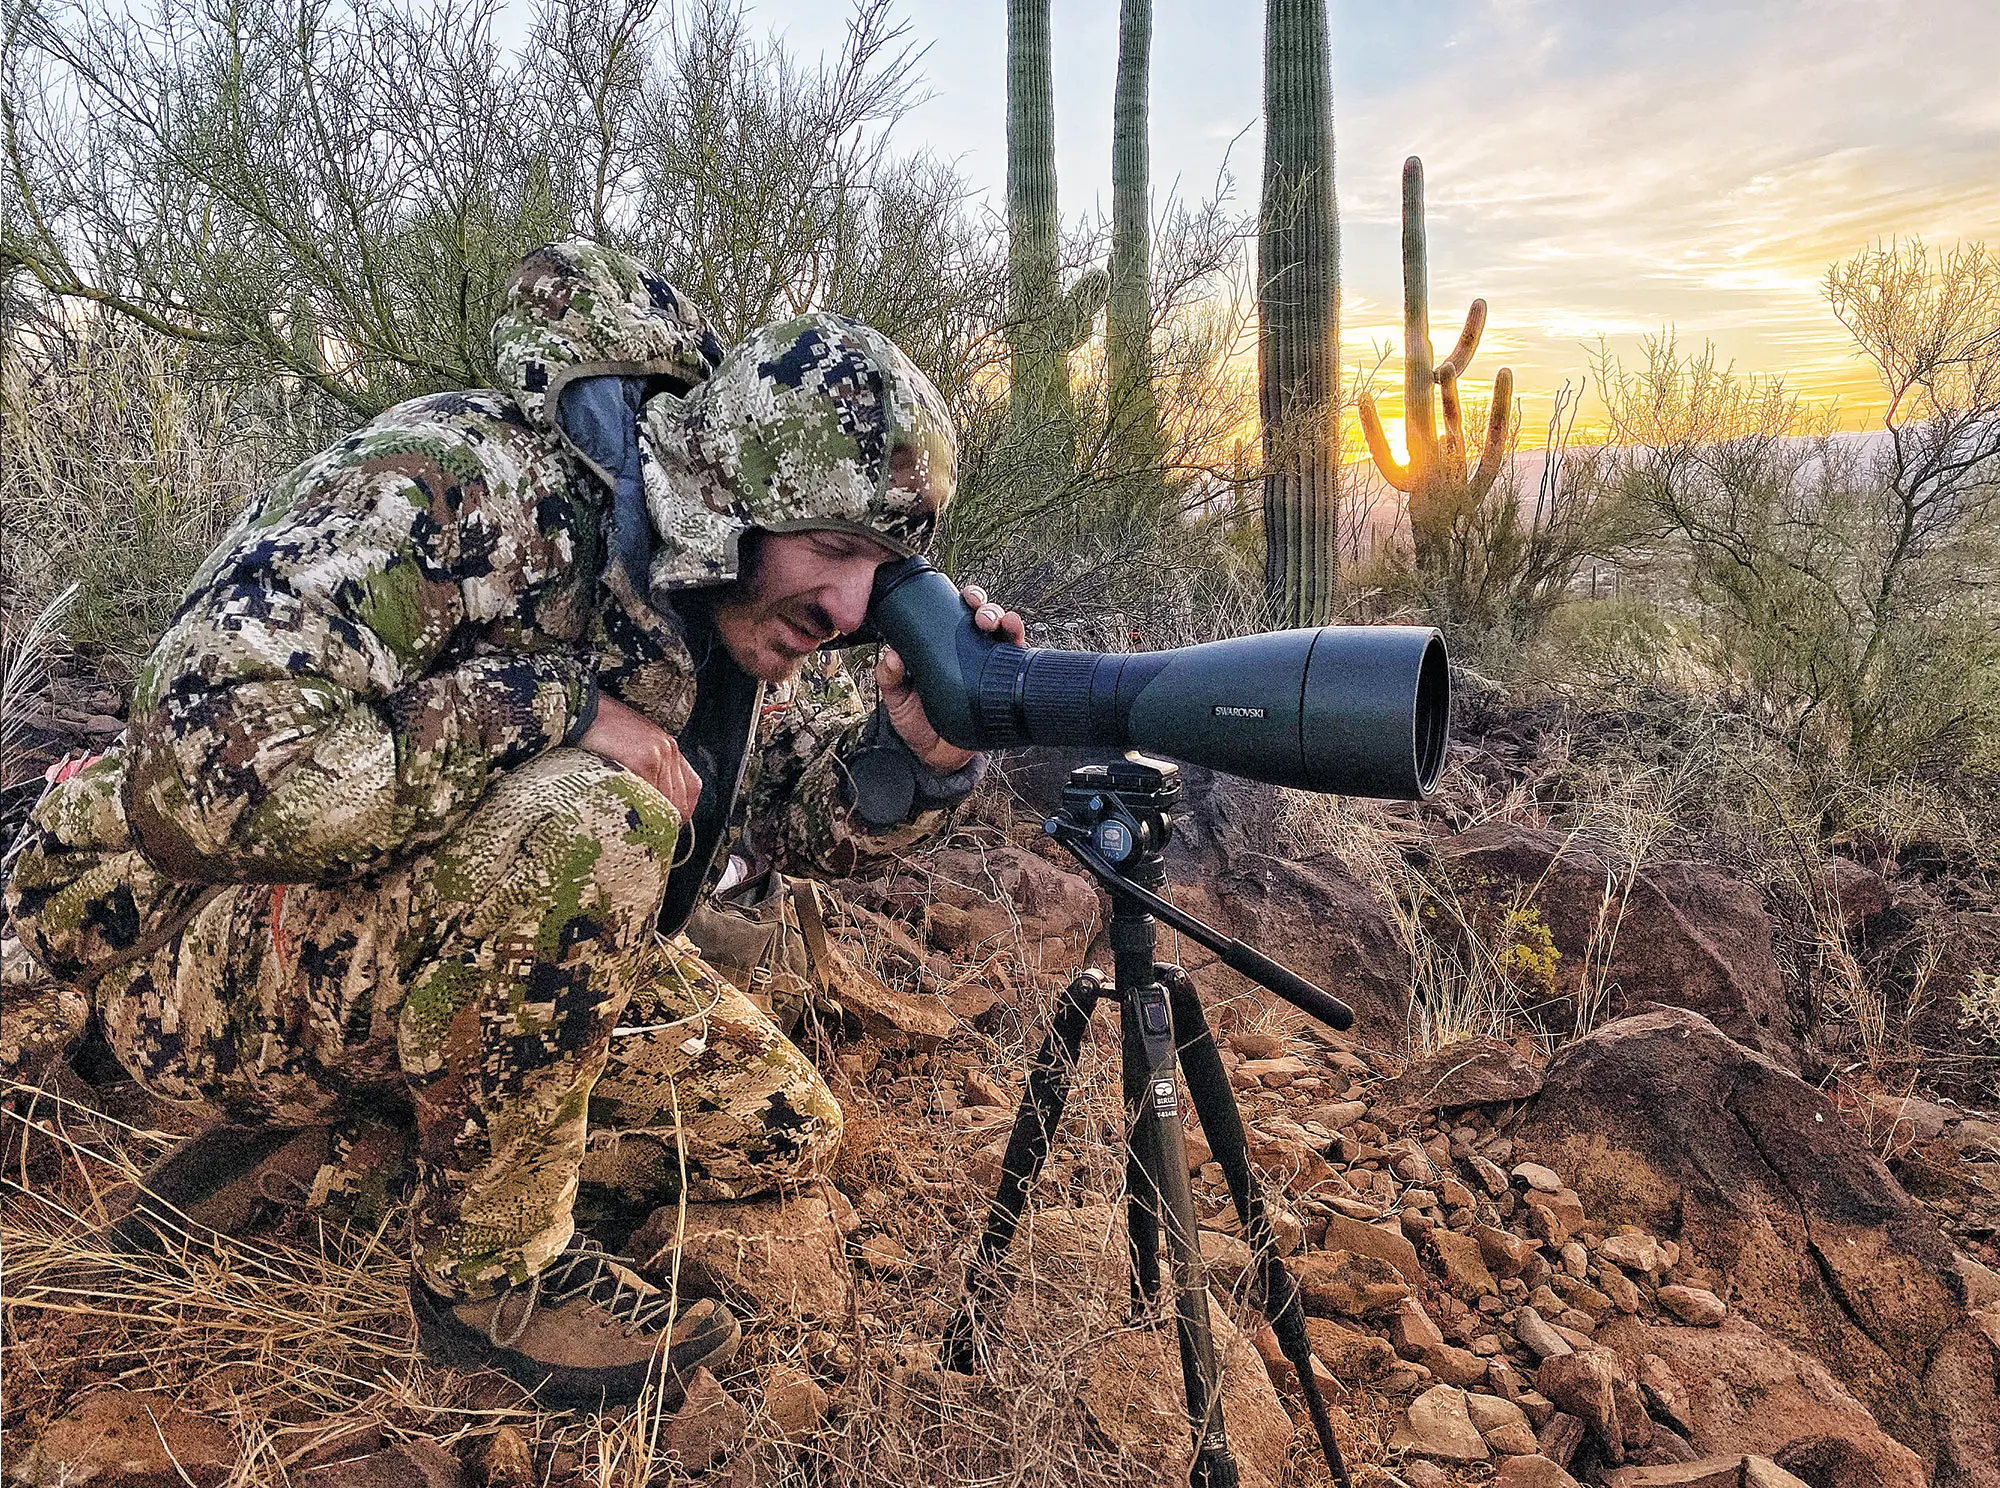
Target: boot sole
column 446, row 1340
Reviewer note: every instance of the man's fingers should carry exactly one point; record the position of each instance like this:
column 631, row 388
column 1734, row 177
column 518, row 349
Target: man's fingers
column 889, row 668
column 628, row 738
column 990, row 615
column 687, row 786
column 1008, row 622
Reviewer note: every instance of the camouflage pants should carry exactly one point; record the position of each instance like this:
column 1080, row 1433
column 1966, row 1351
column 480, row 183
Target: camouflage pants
column 513, row 982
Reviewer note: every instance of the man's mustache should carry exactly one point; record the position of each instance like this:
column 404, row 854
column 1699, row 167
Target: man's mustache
column 815, row 622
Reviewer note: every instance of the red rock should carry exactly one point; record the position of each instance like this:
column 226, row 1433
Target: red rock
column 794, row 1402
column 1131, row 1376
column 1637, row 1252
column 1539, row 1335
column 1290, row 1164
column 1560, row 1436
column 1665, row 1124
column 1470, row 1072
column 1533, row 1471
column 1464, row 1267
column 1350, row 1356
column 1380, row 1241
column 1897, row 1125
column 1275, row 1074
column 709, row 1425
column 1437, row 1425
column 1318, row 918
column 1705, row 1472
column 1252, row 1044
column 140, row 1437
column 1695, row 1305
column 1506, row 1254
column 894, row 1017
column 1860, row 891
column 1412, row 1332
column 776, row 1257
column 1582, row 1385
column 982, row 1089
column 1743, row 1390
column 410, row 1464
column 1664, row 1396
column 1339, row 1283
column 1455, row 1366
column 1690, row 936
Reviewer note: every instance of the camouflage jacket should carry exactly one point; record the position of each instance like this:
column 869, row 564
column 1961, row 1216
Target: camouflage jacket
column 425, row 605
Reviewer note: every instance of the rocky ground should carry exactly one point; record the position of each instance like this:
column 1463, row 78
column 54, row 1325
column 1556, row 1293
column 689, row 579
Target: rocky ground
column 1696, row 1244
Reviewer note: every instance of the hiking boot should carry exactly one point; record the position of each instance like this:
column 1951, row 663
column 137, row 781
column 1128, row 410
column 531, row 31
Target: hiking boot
column 588, row 1331
column 217, row 1182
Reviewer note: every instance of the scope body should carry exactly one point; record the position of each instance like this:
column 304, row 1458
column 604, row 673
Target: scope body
column 1353, row 709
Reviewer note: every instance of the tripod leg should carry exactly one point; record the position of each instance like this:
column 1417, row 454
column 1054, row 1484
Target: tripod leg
column 1035, row 1124
column 1142, row 1198
column 1161, row 1148
column 1215, row 1105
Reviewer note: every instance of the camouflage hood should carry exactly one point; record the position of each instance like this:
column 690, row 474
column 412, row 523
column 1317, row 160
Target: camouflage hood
column 818, row 422
column 586, row 333
column 580, row 310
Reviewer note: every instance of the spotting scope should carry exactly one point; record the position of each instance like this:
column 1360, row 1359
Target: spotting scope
column 1356, row 710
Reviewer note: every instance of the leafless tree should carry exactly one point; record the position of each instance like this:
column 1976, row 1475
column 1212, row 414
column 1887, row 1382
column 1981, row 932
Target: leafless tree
column 1847, row 581
column 336, row 192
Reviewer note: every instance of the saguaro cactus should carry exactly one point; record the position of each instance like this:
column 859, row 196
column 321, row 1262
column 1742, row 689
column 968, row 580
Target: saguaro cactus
column 1128, row 322
column 1298, row 315
column 1440, row 485
column 1044, row 324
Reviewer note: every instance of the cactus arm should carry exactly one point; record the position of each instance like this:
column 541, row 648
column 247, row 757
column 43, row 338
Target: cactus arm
column 1468, row 342
column 1394, row 472
column 1454, row 423
column 1080, row 305
column 1419, row 404
column 1498, row 420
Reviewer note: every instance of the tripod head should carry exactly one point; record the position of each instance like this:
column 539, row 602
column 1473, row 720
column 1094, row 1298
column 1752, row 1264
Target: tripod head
column 1124, row 807
column 1115, row 820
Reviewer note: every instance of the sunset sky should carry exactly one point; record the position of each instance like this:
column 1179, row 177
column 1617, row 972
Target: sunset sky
column 1593, row 170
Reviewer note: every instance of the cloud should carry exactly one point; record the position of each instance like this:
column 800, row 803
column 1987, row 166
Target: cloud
column 1593, row 172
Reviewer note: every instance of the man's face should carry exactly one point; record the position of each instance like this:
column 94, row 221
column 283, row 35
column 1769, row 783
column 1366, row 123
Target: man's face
column 798, row 591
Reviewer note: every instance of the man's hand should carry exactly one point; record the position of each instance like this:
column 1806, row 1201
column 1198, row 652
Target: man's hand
column 906, row 709
column 629, row 738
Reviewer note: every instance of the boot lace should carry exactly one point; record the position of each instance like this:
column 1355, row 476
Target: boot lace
column 583, row 1271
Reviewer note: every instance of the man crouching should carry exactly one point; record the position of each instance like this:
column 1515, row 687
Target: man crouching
column 423, row 782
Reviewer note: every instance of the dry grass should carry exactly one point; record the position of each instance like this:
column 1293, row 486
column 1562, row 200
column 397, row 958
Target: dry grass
column 295, row 1339
column 28, row 640
column 1621, row 819
column 119, row 471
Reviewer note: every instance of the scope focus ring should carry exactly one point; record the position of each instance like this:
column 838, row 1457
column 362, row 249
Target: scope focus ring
column 996, row 708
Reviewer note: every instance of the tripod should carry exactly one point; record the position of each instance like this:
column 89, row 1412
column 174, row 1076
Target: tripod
column 1114, row 820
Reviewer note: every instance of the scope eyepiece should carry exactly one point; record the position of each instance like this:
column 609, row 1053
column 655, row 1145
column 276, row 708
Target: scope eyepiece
column 1350, row 709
